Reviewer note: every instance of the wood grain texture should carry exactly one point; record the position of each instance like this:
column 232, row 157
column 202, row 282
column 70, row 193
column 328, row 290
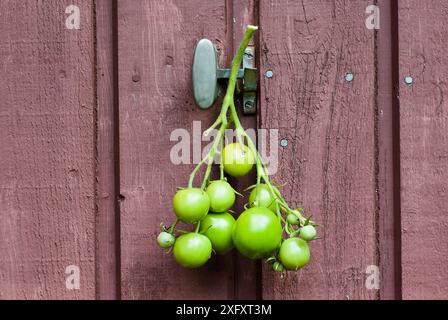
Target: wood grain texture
column 47, row 183
column 156, row 45
column 329, row 164
column 107, row 201
column 424, row 148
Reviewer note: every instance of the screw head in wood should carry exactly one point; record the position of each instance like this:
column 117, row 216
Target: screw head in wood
column 408, row 80
column 269, row 74
column 349, row 77
column 284, row 143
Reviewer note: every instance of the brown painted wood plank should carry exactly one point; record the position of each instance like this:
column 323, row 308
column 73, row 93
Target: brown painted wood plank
column 388, row 152
column 47, row 178
column 107, row 148
column 424, row 148
column 156, row 44
column 329, row 163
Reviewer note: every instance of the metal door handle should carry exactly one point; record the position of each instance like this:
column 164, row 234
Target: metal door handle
column 206, row 75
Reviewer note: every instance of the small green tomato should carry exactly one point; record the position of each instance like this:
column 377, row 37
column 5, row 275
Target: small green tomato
column 192, row 250
column 165, row 240
column 294, row 253
column 308, row 233
column 278, row 267
column 261, row 196
column 222, row 196
column 191, row 205
column 292, row 219
column 238, row 160
column 218, row 227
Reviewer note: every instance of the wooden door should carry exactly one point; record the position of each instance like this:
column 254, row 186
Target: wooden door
column 87, row 115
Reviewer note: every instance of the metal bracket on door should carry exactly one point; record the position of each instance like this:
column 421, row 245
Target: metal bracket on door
column 206, row 76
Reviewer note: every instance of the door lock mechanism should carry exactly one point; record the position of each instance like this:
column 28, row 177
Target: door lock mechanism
column 206, row 76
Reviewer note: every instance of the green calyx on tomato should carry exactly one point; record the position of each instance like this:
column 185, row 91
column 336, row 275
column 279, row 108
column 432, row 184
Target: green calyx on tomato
column 294, row 253
column 308, row 233
column 218, row 228
column 222, row 196
column 165, row 240
column 257, row 233
column 191, row 205
column 261, row 196
column 238, row 160
column 192, row 250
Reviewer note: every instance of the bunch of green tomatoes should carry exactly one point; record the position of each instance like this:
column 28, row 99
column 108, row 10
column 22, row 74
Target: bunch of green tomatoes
column 268, row 228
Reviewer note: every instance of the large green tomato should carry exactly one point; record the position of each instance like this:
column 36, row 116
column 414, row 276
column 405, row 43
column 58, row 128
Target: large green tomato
column 192, row 250
column 222, row 196
column 218, row 228
column 238, row 160
column 191, row 205
column 257, row 233
column 294, row 253
column 261, row 196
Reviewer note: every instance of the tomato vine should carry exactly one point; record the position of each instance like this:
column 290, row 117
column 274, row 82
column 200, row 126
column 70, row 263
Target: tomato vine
column 258, row 232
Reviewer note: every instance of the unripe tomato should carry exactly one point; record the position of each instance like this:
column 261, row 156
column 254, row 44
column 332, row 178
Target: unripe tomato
column 222, row 196
column 218, row 228
column 238, row 160
column 191, row 205
column 294, row 253
column 261, row 196
column 308, row 233
column 257, row 233
column 292, row 219
column 278, row 267
column 165, row 240
column 192, row 250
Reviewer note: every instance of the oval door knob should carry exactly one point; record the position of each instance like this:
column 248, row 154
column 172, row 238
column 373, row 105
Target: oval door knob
column 204, row 74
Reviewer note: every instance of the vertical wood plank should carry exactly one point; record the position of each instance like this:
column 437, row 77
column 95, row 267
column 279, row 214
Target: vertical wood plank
column 47, row 118
column 107, row 93
column 329, row 163
column 424, row 148
column 156, row 44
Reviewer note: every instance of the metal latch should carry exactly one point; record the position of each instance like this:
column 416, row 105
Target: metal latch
column 206, row 76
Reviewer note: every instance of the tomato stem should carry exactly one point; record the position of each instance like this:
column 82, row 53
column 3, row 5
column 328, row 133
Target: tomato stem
column 173, row 226
column 222, row 119
column 198, row 226
column 212, row 152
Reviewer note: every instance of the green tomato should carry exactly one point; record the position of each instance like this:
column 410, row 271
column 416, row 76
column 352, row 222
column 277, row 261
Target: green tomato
column 192, row 250
column 257, row 233
column 261, row 196
column 218, row 228
column 278, row 267
column 191, row 205
column 292, row 219
column 238, row 160
column 308, row 233
column 222, row 196
column 294, row 253
column 165, row 240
